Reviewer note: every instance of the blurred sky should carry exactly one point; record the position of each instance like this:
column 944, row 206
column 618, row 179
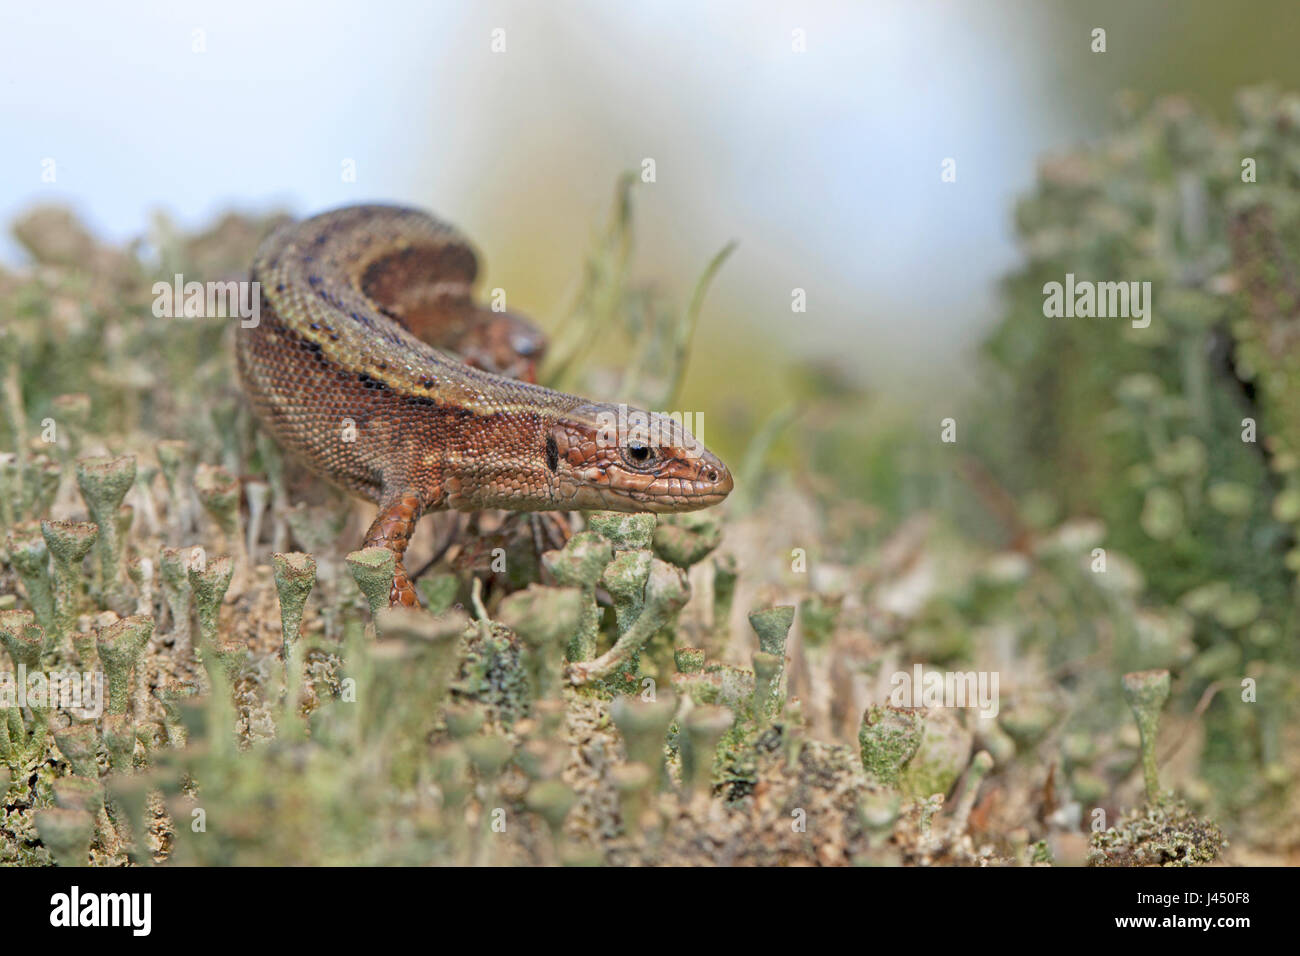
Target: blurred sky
column 825, row 165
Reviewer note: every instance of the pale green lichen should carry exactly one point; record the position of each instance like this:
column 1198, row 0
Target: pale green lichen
column 1146, row 692
column 104, row 482
column 68, row 542
column 889, row 738
column 1164, row 833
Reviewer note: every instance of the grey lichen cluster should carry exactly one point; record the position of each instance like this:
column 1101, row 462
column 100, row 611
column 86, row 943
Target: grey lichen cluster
column 597, row 703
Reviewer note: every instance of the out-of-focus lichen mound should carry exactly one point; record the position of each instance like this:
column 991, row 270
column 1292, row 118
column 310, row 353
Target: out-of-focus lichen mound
column 1181, row 437
column 1160, row 834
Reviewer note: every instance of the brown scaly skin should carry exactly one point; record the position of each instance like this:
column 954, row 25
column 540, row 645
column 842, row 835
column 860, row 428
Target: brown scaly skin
column 341, row 371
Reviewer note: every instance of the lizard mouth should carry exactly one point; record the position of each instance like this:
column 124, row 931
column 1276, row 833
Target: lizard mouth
column 679, row 485
column 712, row 484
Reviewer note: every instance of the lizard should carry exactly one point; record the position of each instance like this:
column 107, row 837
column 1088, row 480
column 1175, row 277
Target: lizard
column 340, row 369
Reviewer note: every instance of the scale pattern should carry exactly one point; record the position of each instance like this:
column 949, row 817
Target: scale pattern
column 336, row 371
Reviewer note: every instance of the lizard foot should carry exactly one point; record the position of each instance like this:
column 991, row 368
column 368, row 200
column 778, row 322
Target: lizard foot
column 402, row 594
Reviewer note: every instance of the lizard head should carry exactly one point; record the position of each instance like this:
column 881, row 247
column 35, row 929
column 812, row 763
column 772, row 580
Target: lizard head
column 616, row 458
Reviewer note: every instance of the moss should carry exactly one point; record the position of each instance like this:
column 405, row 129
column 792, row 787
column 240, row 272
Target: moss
column 686, row 539
column 1041, row 853
column 1165, row 833
column 889, row 738
column 942, row 754
column 492, row 674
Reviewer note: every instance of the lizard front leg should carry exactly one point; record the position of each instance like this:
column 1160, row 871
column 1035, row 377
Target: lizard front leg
column 392, row 529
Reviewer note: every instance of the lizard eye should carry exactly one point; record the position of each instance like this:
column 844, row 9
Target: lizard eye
column 525, row 346
column 638, row 453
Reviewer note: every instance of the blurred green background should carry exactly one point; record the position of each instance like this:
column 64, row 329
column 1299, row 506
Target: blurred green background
column 824, row 165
